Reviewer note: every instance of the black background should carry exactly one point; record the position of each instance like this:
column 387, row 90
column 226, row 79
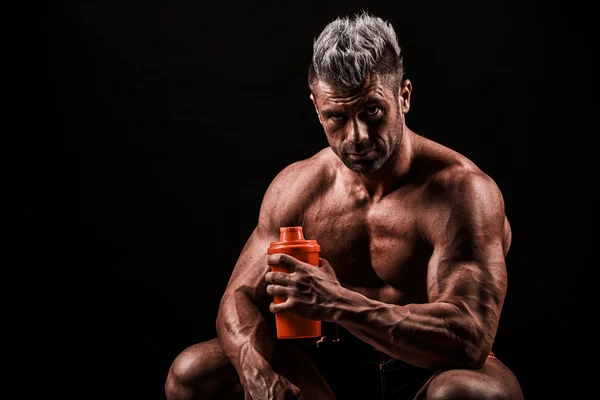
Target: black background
column 157, row 127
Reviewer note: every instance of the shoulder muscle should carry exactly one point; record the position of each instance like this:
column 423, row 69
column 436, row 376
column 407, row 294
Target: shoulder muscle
column 465, row 208
column 291, row 191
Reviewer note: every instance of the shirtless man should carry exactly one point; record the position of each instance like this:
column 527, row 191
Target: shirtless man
column 413, row 242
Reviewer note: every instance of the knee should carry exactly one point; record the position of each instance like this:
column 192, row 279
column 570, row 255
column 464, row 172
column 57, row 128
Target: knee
column 466, row 389
column 181, row 376
column 197, row 372
column 184, row 376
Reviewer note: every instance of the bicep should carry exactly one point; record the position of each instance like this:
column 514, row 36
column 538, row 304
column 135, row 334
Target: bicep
column 251, row 267
column 276, row 210
column 467, row 267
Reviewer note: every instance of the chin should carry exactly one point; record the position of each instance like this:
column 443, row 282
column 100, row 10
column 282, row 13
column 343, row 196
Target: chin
column 365, row 167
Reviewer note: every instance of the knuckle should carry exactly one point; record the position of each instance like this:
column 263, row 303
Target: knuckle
column 304, row 280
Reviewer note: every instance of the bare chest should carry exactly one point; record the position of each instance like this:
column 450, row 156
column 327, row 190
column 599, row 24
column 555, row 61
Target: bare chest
column 375, row 249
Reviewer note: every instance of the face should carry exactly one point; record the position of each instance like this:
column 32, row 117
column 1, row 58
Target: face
column 363, row 126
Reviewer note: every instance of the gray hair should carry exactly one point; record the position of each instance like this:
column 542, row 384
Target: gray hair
column 349, row 50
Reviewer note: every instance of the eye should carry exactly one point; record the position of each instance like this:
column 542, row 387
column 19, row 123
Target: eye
column 337, row 117
column 372, row 110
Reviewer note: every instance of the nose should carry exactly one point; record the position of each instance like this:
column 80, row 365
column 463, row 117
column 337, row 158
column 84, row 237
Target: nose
column 358, row 131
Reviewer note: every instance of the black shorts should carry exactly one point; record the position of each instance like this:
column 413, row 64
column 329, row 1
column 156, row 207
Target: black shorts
column 354, row 370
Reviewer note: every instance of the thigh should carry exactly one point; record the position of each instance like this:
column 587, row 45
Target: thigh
column 205, row 368
column 401, row 380
column 203, row 371
column 351, row 372
column 291, row 361
column 493, row 381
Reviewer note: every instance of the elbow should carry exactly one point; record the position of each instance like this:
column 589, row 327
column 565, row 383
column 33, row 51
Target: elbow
column 225, row 306
column 475, row 349
column 221, row 312
column 475, row 355
column 473, row 346
column 234, row 301
column 473, row 339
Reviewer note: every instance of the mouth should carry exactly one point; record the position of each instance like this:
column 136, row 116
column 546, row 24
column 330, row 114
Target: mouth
column 362, row 154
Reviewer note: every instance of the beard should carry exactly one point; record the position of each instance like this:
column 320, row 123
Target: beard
column 370, row 155
column 367, row 157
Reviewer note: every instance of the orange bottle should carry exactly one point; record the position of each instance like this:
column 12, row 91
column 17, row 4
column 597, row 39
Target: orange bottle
column 292, row 242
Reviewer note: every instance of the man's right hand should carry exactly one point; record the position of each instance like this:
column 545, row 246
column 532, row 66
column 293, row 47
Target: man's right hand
column 275, row 387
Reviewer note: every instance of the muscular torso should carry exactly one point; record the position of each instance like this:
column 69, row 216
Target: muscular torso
column 378, row 248
column 374, row 248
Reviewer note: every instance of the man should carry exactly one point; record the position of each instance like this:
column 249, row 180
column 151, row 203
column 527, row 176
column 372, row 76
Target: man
column 412, row 275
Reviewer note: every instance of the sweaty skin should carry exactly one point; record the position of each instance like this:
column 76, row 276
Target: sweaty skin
column 413, row 242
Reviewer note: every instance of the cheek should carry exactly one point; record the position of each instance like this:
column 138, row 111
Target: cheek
column 390, row 124
column 334, row 143
column 330, row 127
column 334, row 135
column 379, row 129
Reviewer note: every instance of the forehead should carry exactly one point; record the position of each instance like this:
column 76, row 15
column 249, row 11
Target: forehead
column 372, row 89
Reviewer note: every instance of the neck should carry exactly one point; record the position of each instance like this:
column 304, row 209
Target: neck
column 394, row 173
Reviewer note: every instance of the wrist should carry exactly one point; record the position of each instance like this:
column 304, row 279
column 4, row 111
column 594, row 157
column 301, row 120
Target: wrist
column 257, row 379
column 254, row 368
column 352, row 308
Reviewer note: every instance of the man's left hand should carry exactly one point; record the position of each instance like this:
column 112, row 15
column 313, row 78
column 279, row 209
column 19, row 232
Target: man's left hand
column 308, row 291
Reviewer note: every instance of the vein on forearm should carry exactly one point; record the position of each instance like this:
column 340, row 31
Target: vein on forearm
column 243, row 330
column 434, row 335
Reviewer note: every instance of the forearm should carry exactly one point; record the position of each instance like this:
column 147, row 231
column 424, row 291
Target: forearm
column 433, row 335
column 245, row 335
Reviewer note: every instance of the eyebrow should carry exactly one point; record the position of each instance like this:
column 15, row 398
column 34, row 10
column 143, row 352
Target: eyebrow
column 329, row 112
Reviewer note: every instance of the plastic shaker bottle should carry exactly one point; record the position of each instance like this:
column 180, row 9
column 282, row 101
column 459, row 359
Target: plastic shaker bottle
column 292, row 242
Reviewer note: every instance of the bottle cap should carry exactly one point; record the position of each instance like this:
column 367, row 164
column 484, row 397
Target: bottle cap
column 291, row 238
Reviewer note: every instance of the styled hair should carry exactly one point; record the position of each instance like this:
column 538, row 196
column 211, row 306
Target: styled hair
column 350, row 49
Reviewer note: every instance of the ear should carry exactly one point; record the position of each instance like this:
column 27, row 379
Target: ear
column 404, row 95
column 316, row 107
column 314, row 102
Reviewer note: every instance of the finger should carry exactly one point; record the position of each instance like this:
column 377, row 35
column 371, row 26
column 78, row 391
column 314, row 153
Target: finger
column 286, row 261
column 279, row 278
column 294, row 395
column 298, row 394
column 323, row 262
column 280, row 291
column 281, row 307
